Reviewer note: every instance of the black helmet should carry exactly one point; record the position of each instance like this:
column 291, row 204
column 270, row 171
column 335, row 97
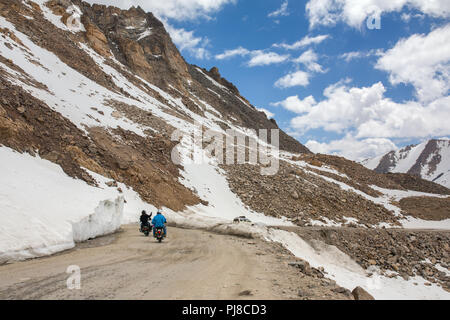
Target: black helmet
column 144, row 212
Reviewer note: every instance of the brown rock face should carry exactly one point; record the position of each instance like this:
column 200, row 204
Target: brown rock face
column 427, row 208
column 97, row 39
column 135, row 56
column 139, row 41
column 361, row 294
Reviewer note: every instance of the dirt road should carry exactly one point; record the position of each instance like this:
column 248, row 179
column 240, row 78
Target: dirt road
column 190, row 264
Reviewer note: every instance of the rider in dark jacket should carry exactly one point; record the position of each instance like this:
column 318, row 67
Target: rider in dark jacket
column 145, row 218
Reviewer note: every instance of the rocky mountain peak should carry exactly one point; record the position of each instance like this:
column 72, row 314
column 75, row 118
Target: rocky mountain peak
column 134, row 37
column 427, row 160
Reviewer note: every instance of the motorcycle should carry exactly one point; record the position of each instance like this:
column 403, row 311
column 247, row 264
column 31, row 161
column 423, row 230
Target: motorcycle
column 159, row 234
column 145, row 229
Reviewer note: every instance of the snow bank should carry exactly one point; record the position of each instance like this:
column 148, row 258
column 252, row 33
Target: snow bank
column 106, row 219
column 43, row 211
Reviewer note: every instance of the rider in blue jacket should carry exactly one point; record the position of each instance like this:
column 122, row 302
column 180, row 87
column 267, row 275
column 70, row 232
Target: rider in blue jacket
column 159, row 221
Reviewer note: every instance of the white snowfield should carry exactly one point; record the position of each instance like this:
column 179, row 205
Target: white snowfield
column 44, row 211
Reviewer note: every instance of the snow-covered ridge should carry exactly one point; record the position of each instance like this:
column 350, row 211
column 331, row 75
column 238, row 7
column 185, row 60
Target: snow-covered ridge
column 430, row 160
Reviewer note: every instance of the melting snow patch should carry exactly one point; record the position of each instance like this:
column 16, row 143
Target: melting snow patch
column 145, row 34
column 327, row 223
column 414, row 223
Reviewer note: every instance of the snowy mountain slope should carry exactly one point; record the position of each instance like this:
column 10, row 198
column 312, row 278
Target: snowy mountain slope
column 92, row 112
column 429, row 160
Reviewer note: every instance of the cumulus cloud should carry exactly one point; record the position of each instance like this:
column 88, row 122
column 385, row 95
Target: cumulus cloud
column 294, row 79
column 233, row 53
column 369, row 121
column 309, row 59
column 300, row 78
column 187, row 41
column 257, row 57
column 267, row 112
column 369, row 114
column 172, row 9
column 423, row 61
column 283, row 11
column 355, row 12
column 353, row 55
column 365, row 115
column 304, row 42
column 261, row 58
column 353, row 149
column 296, row 105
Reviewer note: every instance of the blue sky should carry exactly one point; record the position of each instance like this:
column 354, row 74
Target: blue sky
column 344, row 88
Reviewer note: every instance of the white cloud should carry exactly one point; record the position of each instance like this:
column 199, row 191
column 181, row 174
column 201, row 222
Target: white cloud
column 261, row 58
column 301, row 78
column 306, row 41
column 423, row 61
column 406, row 17
column 232, row 53
column 283, row 11
column 172, row 9
column 309, row 60
column 353, row 149
column 294, row 79
column 257, row 57
column 296, row 105
column 269, row 114
column 187, row 41
column 368, row 114
column 349, row 56
column 355, row 12
column 366, row 118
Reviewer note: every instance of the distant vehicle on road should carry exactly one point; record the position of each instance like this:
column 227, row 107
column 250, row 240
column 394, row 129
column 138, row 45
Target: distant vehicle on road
column 241, row 219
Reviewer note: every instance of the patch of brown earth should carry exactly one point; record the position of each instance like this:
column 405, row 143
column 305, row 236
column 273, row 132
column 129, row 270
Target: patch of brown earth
column 137, row 115
column 426, row 208
column 145, row 164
